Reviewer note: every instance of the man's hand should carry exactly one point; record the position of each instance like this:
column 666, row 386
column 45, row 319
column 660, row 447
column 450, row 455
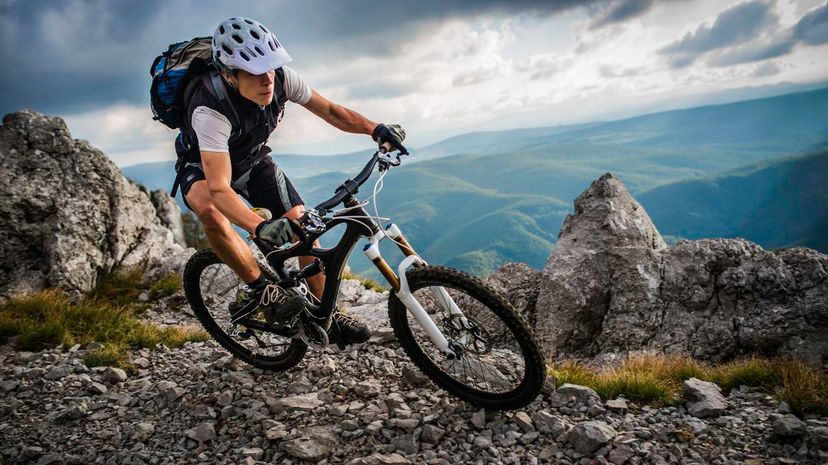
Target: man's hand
column 276, row 231
column 393, row 134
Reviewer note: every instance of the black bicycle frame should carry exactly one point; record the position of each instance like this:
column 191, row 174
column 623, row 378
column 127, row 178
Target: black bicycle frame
column 333, row 259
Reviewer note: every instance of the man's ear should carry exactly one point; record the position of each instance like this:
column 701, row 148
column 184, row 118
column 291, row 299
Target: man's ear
column 230, row 77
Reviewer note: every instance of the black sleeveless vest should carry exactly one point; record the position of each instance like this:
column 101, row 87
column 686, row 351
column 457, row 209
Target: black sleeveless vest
column 250, row 131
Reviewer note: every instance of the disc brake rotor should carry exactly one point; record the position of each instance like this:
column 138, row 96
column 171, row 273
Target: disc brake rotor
column 478, row 338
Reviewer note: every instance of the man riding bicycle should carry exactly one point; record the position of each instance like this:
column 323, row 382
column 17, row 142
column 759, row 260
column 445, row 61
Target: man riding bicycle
column 234, row 159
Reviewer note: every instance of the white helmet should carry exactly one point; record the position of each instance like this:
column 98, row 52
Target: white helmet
column 243, row 43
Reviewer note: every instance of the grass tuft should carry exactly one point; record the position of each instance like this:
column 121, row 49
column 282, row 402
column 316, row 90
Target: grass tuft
column 119, row 287
column 108, row 356
column 51, row 318
column 166, row 286
column 657, row 379
column 803, row 388
column 752, row 371
column 123, row 287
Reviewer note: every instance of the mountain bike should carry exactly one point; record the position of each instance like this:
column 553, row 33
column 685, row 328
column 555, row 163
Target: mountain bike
column 462, row 334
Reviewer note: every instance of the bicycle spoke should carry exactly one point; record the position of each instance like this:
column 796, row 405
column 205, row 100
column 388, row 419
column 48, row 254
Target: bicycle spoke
column 498, row 369
column 217, row 284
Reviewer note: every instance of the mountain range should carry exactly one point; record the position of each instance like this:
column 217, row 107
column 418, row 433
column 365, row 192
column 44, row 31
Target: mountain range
column 480, row 199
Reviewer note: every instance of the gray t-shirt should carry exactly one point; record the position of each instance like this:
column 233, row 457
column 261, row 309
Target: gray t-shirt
column 213, row 129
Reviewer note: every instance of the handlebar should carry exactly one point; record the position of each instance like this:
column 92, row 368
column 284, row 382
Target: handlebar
column 350, row 186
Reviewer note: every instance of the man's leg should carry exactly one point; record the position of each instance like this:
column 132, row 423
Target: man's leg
column 224, row 240
column 316, row 282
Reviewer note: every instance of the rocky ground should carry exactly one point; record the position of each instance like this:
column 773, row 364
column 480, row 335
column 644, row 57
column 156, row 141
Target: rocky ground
column 366, row 405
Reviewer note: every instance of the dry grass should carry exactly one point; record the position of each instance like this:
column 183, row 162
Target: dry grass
column 367, row 283
column 657, row 379
column 123, row 287
column 107, row 316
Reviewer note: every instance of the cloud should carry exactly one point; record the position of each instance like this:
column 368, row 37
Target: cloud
column 766, row 69
column 755, row 51
column 124, row 133
column 621, row 10
column 543, row 65
column 478, row 75
column 380, row 88
column 615, row 71
column 102, row 50
column 812, row 29
column 735, row 25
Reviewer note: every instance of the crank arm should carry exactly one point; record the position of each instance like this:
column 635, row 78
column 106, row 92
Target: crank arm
column 281, row 330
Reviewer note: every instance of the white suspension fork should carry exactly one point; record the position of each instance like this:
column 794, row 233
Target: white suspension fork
column 439, row 292
column 414, row 307
column 417, row 310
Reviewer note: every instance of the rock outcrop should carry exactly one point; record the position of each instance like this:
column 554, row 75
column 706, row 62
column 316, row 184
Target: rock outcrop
column 69, row 214
column 169, row 214
column 612, row 286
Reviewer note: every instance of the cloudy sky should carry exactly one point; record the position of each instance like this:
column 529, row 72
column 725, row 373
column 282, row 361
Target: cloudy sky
column 438, row 67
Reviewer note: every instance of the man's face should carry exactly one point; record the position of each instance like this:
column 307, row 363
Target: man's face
column 257, row 88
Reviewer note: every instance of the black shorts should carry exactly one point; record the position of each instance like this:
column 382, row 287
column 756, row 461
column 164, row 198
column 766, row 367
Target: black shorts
column 265, row 186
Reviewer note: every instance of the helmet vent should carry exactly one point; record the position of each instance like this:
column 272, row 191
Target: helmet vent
column 248, row 21
column 221, row 29
column 236, row 26
column 259, row 50
column 244, row 55
column 227, row 50
column 263, row 28
column 255, row 34
column 272, row 47
column 237, row 38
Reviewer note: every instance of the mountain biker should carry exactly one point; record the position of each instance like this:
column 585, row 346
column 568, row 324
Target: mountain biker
column 235, row 160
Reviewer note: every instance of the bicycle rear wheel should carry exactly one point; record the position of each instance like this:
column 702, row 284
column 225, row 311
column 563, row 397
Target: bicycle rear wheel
column 501, row 367
column 211, row 286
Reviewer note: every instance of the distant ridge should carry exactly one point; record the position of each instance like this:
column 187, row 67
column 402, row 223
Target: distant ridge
column 775, row 204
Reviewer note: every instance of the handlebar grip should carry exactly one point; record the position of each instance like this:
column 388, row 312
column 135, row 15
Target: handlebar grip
column 385, row 147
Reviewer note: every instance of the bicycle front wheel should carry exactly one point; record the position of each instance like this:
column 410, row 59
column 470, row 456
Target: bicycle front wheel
column 501, row 366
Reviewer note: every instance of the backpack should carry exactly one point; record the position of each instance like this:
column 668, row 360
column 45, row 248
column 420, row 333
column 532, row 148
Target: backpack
column 175, row 74
column 172, row 76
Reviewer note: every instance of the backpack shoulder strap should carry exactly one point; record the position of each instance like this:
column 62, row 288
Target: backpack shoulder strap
column 215, row 84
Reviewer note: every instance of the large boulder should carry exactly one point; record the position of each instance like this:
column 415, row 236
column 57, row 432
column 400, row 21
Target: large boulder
column 69, row 214
column 612, row 286
column 601, row 280
column 520, row 285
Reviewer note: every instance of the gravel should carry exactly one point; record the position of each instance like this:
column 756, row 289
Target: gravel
column 365, row 405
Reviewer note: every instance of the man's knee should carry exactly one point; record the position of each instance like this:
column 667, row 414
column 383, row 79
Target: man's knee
column 199, row 200
column 212, row 219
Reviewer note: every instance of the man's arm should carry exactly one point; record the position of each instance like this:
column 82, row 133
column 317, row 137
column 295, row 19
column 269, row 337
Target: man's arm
column 218, row 170
column 338, row 116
